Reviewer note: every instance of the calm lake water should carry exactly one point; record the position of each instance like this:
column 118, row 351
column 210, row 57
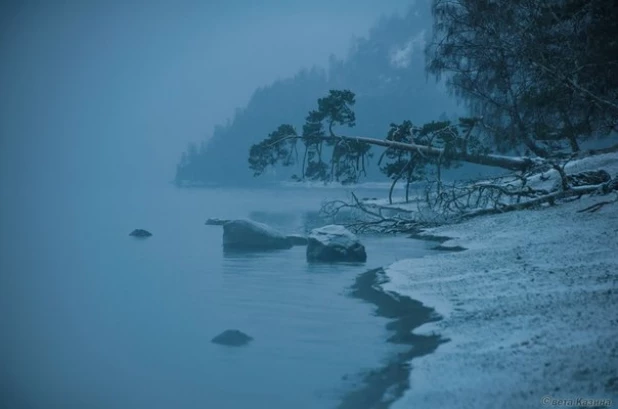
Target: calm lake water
column 93, row 318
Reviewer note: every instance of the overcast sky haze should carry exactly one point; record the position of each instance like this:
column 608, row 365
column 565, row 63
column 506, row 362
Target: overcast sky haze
column 106, row 92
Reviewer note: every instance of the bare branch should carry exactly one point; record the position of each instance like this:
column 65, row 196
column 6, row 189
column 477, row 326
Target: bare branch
column 575, row 86
column 597, row 206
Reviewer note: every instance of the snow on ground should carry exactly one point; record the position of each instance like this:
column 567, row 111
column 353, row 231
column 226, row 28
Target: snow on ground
column 551, row 179
column 531, row 308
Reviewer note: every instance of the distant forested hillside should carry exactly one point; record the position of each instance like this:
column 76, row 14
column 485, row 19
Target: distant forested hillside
column 386, row 71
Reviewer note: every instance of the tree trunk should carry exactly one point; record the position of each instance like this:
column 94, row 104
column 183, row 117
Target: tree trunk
column 609, row 149
column 529, row 142
column 571, row 135
column 363, row 165
column 332, row 164
column 409, row 175
column 573, row 143
column 500, row 161
column 304, row 162
column 390, row 191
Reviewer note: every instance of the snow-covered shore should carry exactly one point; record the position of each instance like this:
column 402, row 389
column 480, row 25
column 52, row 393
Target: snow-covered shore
column 530, row 308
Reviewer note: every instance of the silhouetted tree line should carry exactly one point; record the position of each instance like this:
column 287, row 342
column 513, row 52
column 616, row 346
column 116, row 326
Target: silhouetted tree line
column 536, row 77
column 387, row 72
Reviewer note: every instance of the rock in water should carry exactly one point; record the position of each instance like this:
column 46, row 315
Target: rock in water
column 298, row 240
column 232, row 337
column 248, row 235
column 334, row 243
column 140, row 233
column 216, row 222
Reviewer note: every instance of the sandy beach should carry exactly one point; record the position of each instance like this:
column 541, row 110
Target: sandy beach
column 524, row 309
column 530, row 309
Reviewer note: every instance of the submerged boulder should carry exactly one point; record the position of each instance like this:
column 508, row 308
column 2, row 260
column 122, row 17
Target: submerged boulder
column 140, row 233
column 250, row 235
column 232, row 337
column 334, row 243
column 216, row 222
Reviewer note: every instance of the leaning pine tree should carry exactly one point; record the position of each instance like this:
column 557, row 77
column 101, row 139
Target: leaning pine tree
column 410, row 151
column 538, row 80
column 444, row 141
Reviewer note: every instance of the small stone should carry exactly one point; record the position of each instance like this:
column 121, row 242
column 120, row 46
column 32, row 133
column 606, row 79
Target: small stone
column 140, row 233
column 232, row 337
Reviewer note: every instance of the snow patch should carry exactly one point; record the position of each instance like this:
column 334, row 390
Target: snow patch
column 402, row 279
column 529, row 308
column 334, row 243
column 334, row 235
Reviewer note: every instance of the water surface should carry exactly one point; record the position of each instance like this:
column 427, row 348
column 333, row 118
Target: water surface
column 94, row 318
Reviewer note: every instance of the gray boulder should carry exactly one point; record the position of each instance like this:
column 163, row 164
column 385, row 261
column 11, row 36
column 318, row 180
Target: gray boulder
column 334, row 243
column 232, row 338
column 249, row 235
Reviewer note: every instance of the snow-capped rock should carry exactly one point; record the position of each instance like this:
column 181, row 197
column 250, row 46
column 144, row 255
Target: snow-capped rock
column 334, row 243
column 246, row 234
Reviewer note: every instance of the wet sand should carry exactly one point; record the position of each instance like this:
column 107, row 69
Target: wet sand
column 379, row 388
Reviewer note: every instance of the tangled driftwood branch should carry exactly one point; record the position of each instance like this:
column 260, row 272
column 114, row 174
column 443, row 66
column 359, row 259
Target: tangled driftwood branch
column 366, row 219
column 470, row 200
column 459, row 198
column 597, row 206
column 455, row 202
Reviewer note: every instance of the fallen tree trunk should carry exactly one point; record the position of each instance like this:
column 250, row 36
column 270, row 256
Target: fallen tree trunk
column 505, row 162
column 609, row 149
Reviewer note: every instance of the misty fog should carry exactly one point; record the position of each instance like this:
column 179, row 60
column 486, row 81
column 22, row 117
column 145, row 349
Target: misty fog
column 350, row 204
column 99, row 92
